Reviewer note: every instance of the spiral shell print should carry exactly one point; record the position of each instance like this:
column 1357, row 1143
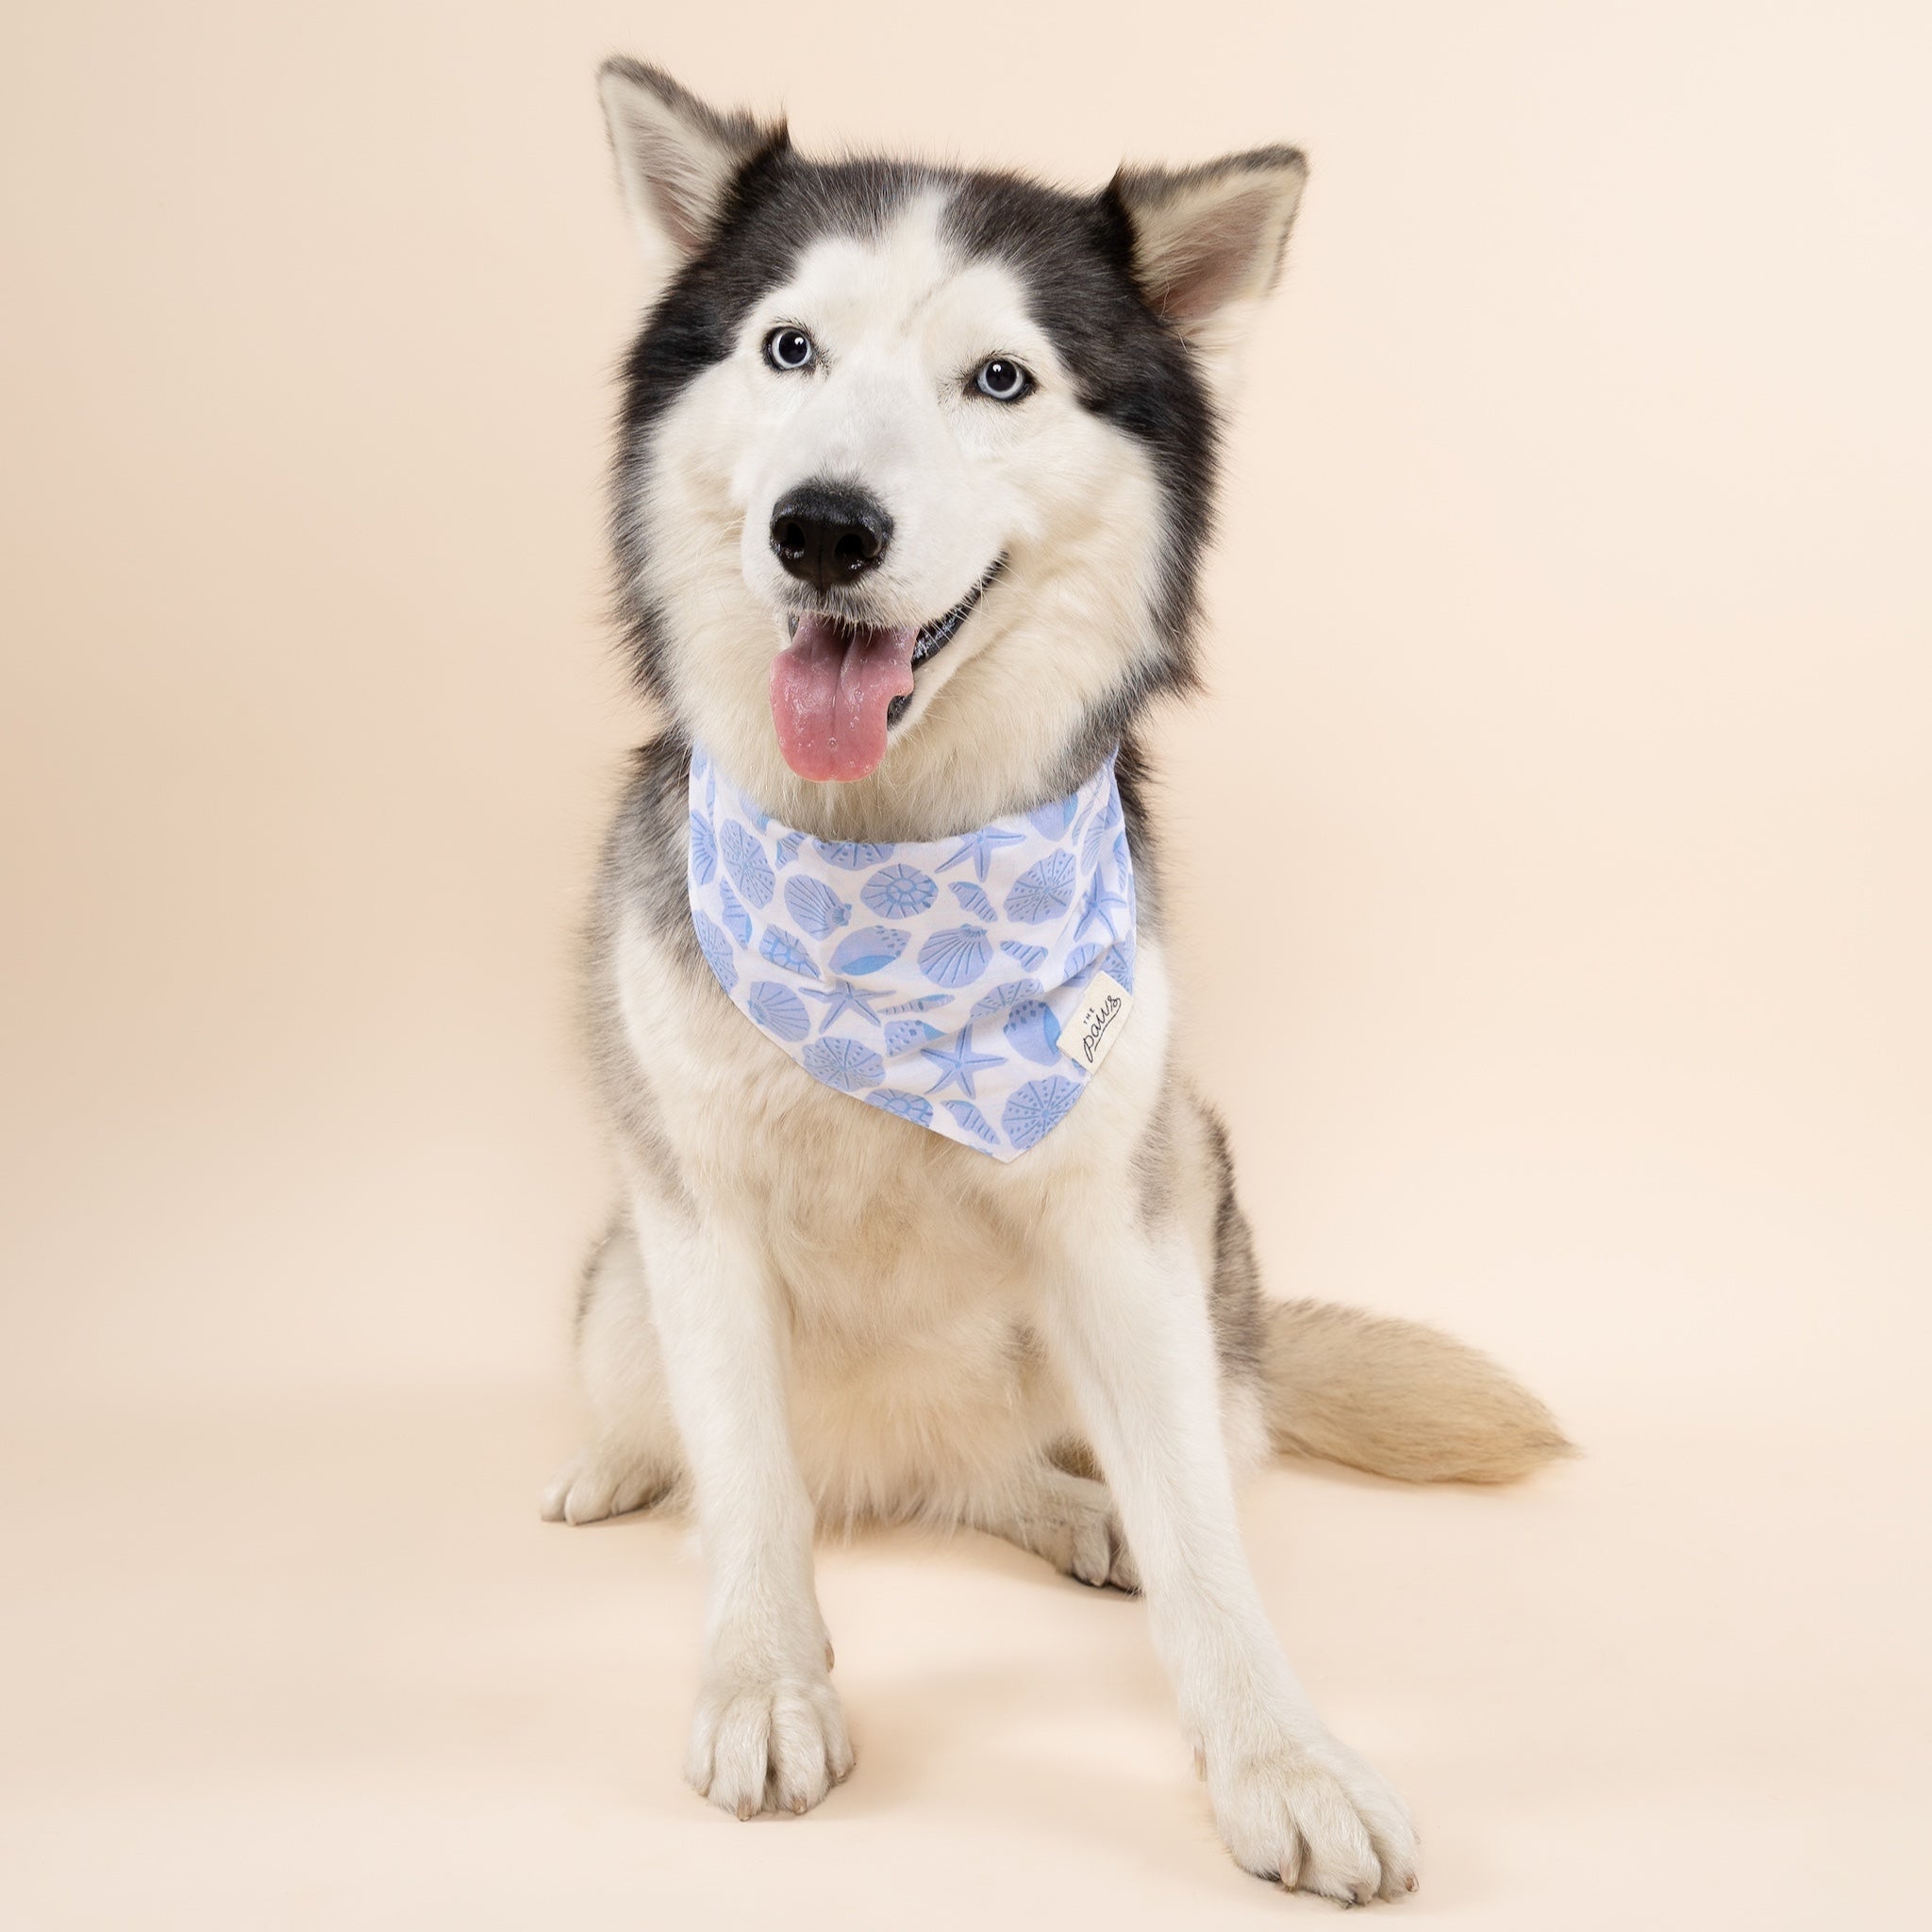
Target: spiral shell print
column 955, row 957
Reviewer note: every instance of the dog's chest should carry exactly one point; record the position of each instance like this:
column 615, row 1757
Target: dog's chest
column 873, row 1224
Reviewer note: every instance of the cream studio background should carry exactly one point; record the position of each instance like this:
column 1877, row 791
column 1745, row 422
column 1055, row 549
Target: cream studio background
column 1570, row 632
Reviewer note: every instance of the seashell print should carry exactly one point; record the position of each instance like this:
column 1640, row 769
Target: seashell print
column 716, row 947
column 1037, row 1109
column 1042, row 892
column 909, row 1036
column 704, row 850
column 870, row 949
column 1001, row 997
column 786, row 949
column 818, row 909
column 846, row 1064
column 1102, row 907
column 972, row 1121
column 838, row 999
column 777, row 1009
column 1034, row 1033
column 908, row 1106
column 744, row 860
column 899, row 892
column 853, row 858
column 1052, row 819
column 957, row 1061
column 1080, row 965
column 842, row 999
column 955, row 957
column 737, row 919
column 977, row 848
column 972, row 899
column 1106, row 817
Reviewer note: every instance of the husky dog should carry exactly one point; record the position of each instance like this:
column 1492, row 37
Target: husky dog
column 914, row 480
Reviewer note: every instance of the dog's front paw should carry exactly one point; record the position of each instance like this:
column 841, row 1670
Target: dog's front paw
column 1314, row 1816
column 773, row 1743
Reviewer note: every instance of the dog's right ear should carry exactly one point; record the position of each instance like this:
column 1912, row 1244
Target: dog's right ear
column 676, row 159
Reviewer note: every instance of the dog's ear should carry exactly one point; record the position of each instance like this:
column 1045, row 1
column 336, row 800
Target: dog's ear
column 676, row 159
column 1208, row 240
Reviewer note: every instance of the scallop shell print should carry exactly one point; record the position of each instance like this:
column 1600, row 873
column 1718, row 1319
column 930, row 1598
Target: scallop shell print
column 744, row 860
column 777, row 1009
column 818, row 909
column 955, row 957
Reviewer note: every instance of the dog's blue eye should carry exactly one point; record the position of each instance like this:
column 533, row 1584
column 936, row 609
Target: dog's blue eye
column 790, row 348
column 1004, row 381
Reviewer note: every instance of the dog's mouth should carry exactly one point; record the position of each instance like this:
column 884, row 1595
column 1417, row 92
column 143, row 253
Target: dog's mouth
column 839, row 688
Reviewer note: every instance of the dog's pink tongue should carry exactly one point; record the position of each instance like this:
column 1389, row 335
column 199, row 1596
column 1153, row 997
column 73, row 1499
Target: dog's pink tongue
column 830, row 688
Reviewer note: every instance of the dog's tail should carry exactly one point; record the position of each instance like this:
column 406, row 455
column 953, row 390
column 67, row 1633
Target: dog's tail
column 1398, row 1399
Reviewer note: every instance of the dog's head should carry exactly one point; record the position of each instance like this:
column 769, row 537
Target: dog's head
column 916, row 464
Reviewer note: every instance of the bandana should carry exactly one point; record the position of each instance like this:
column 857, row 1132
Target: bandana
column 969, row 984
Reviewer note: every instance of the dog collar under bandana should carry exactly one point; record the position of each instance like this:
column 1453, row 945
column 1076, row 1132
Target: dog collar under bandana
column 969, row 984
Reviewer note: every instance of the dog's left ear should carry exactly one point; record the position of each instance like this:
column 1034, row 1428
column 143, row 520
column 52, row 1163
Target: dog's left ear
column 676, row 159
column 1208, row 240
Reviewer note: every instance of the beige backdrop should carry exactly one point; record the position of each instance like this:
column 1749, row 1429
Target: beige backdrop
column 1570, row 637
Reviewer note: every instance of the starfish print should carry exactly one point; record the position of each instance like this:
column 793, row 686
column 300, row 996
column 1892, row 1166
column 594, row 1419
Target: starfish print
column 979, row 846
column 1094, row 906
column 845, row 997
column 957, row 1061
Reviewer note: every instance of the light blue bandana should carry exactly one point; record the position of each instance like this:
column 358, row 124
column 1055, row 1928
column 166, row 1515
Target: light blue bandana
column 969, row 984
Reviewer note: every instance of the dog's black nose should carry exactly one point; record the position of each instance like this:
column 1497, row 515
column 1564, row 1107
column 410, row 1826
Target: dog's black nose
column 829, row 533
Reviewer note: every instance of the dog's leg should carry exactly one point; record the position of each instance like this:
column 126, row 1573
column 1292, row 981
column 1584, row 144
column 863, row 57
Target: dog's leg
column 768, row 1731
column 632, row 1459
column 1069, row 1520
column 1126, row 1317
